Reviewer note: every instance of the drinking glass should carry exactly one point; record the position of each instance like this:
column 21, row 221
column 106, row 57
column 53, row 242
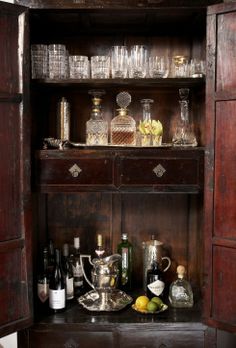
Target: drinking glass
column 79, row 67
column 100, row 67
column 197, row 68
column 119, row 62
column 39, row 61
column 58, row 61
column 138, row 61
column 158, row 67
column 180, row 66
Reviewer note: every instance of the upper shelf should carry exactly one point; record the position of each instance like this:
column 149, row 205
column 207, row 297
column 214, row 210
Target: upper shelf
column 146, row 82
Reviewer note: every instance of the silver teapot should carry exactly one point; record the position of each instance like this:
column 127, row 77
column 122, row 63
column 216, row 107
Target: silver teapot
column 104, row 274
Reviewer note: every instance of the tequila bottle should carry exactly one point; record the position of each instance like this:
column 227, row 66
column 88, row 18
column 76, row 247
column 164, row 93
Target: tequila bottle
column 184, row 134
column 180, row 292
column 96, row 127
column 123, row 126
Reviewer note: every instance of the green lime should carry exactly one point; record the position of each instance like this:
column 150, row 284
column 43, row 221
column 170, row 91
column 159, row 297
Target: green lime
column 157, row 301
column 152, row 306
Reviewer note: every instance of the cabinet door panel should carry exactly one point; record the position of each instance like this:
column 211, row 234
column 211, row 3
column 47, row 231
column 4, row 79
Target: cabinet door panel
column 225, row 169
column 224, row 275
column 226, row 42
column 62, row 339
column 163, row 339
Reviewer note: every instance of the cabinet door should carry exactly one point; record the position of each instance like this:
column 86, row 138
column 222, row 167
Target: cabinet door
column 15, row 261
column 220, row 185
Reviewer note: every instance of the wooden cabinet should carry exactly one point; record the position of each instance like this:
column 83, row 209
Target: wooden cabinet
column 185, row 196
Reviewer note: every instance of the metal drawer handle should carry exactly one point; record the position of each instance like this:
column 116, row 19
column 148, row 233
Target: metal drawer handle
column 75, row 170
column 159, row 170
column 71, row 344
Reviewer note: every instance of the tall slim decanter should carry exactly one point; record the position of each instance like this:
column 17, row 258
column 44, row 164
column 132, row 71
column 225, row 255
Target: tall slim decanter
column 184, row 133
column 123, row 126
column 96, row 126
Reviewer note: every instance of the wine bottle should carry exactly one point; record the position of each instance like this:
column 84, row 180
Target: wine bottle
column 43, row 278
column 125, row 249
column 57, row 292
column 99, row 250
column 68, row 273
column 77, row 269
column 155, row 284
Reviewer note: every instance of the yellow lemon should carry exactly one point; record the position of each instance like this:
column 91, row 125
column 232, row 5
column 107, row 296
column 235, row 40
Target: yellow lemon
column 141, row 302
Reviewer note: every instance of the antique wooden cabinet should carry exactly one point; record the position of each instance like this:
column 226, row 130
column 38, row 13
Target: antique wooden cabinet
column 190, row 206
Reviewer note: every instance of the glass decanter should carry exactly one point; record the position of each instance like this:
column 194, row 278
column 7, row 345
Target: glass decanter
column 123, row 126
column 184, row 134
column 180, row 292
column 145, row 124
column 96, row 127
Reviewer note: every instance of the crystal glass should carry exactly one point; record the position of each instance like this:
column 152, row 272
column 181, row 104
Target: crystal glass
column 158, row 67
column 180, row 66
column 123, row 126
column 96, row 127
column 119, row 62
column 184, row 134
column 145, row 125
column 138, row 61
column 79, row 67
column 197, row 68
column 100, row 67
column 39, row 61
column 58, row 61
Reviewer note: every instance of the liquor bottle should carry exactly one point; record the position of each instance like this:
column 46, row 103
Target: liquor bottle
column 180, row 292
column 96, row 126
column 77, row 269
column 123, row 126
column 125, row 249
column 57, row 292
column 43, row 278
column 99, row 250
column 155, row 284
column 51, row 255
column 68, row 273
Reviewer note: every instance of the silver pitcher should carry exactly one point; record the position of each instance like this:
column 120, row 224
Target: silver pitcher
column 152, row 250
column 104, row 274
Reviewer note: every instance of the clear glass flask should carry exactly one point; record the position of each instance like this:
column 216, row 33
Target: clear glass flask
column 184, row 133
column 180, row 292
column 96, row 126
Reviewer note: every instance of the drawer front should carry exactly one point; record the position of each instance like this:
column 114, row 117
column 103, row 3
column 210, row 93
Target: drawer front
column 62, row 339
column 163, row 339
column 159, row 171
column 81, row 171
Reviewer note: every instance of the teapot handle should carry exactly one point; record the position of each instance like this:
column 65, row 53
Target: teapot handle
column 169, row 262
column 82, row 266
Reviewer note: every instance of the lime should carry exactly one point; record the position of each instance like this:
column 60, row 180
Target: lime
column 152, row 306
column 141, row 302
column 157, row 301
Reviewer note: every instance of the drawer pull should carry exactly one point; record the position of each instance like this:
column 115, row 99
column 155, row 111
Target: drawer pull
column 75, row 170
column 71, row 344
column 162, row 346
column 159, row 170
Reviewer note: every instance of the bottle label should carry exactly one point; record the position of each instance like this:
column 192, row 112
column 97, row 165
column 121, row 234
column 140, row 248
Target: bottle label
column 156, row 287
column 57, row 299
column 78, row 275
column 69, row 288
column 43, row 291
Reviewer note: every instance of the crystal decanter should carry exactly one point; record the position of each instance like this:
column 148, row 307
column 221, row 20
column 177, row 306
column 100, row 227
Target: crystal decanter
column 96, row 127
column 123, row 126
column 184, row 133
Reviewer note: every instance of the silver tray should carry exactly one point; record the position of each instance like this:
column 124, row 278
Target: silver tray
column 114, row 300
column 65, row 144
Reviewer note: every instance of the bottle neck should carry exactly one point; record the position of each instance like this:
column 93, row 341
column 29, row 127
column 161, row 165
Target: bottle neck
column 184, row 110
column 146, row 112
column 57, row 257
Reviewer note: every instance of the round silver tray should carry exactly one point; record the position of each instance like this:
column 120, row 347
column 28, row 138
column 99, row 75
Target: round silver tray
column 108, row 301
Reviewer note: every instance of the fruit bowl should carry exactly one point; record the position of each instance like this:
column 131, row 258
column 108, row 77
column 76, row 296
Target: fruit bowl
column 144, row 311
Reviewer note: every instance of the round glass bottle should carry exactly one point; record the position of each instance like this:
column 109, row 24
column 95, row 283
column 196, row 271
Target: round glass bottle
column 123, row 126
column 96, row 127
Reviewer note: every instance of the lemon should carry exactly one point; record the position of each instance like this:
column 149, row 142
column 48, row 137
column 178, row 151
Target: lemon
column 157, row 301
column 144, row 127
column 141, row 302
column 152, row 306
column 157, row 128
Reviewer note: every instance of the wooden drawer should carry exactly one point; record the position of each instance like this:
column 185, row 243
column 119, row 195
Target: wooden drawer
column 74, row 173
column 163, row 339
column 70, row 339
column 161, row 173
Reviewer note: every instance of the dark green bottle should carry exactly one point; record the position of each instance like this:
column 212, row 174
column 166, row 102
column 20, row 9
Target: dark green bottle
column 125, row 249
